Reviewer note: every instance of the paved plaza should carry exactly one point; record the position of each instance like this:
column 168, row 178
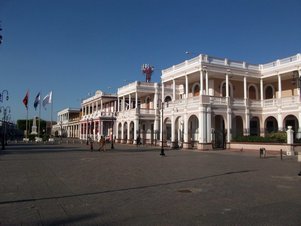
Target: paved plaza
column 69, row 185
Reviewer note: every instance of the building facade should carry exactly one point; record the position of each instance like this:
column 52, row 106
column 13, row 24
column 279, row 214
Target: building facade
column 216, row 99
column 138, row 113
column 98, row 116
column 67, row 123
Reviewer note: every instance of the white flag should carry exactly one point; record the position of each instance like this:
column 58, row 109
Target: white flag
column 47, row 99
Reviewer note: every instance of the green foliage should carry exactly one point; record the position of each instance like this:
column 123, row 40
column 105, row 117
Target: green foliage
column 274, row 137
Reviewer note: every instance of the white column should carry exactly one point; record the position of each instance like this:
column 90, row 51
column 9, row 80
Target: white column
column 101, row 105
column 128, row 131
column 122, row 132
column 247, row 125
column 279, row 120
column 162, row 92
column 186, row 86
column 245, row 87
column 80, row 129
column 172, row 130
column 156, row 97
column 229, row 124
column 227, row 85
column 136, row 99
column 207, row 83
column 118, row 104
column 185, row 129
column 161, row 124
column 86, row 129
column 136, row 127
column 130, row 101
column 123, row 103
column 201, row 82
column 261, row 91
column 209, row 125
column 279, row 86
column 173, row 90
column 202, row 125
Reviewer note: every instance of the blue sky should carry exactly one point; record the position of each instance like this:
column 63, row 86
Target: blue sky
column 75, row 47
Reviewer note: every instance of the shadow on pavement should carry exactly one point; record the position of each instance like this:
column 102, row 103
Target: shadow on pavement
column 127, row 189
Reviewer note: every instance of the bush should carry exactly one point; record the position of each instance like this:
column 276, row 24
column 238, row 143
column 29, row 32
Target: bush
column 275, row 137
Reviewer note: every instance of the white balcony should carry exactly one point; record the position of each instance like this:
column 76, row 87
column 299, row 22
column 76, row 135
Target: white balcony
column 193, row 103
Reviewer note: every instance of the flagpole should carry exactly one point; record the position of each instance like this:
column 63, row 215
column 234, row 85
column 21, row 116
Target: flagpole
column 51, row 112
column 26, row 122
column 39, row 116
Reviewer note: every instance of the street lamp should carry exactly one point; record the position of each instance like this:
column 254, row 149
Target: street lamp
column 162, row 124
column 2, row 95
column 112, row 139
column 6, row 112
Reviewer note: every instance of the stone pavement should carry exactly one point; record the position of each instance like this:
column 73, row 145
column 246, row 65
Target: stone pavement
column 69, row 185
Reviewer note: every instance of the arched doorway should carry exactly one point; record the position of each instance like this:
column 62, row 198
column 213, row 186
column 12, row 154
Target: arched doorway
column 167, row 130
column 252, row 92
column 193, row 130
column 132, row 132
column 179, row 132
column 269, row 92
column 271, row 125
column 196, row 90
column 254, row 127
column 219, row 133
column 119, row 132
column 125, row 132
column 223, row 89
column 237, row 125
column 292, row 121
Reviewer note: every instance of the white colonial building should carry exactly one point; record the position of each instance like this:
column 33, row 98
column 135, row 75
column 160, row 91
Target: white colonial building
column 98, row 116
column 215, row 99
column 67, row 123
column 138, row 113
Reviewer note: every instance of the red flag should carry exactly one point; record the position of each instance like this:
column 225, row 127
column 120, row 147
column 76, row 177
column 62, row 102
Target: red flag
column 25, row 100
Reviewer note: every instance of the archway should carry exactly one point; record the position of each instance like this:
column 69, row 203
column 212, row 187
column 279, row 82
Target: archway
column 119, row 131
column 271, row 125
column 132, row 132
column 269, row 92
column 125, row 132
column 219, row 133
column 167, row 130
column 193, row 130
column 223, row 89
column 292, row 121
column 253, row 92
column 254, row 127
column 147, row 101
column 196, row 90
column 237, row 125
column 179, row 132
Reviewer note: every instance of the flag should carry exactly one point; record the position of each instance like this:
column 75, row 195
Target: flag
column 47, row 99
column 25, row 99
column 37, row 101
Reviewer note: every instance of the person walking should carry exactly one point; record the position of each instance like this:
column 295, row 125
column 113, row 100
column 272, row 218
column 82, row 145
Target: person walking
column 91, row 143
column 102, row 144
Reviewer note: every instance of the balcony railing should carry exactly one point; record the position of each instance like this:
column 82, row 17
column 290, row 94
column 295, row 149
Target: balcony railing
column 194, row 102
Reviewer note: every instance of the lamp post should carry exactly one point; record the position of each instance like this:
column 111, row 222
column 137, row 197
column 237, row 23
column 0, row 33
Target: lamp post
column 6, row 112
column 2, row 94
column 112, row 138
column 162, row 124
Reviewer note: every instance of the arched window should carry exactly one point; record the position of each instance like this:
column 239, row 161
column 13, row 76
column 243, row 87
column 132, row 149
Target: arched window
column 196, row 90
column 252, row 92
column 269, row 92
